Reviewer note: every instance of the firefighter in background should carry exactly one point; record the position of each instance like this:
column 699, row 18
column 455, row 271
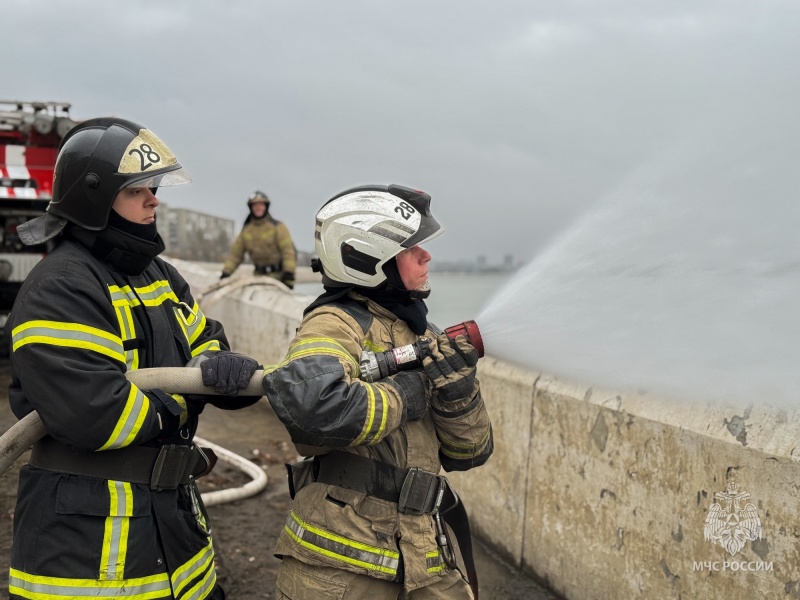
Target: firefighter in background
column 267, row 241
column 108, row 503
column 367, row 521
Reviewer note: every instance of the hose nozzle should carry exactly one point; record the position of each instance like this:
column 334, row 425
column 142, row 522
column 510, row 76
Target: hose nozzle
column 377, row 365
column 469, row 329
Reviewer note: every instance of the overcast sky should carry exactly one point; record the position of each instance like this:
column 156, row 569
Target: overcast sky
column 516, row 116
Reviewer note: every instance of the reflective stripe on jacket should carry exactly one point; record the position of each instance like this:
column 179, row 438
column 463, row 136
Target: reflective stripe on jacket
column 76, row 328
column 316, row 393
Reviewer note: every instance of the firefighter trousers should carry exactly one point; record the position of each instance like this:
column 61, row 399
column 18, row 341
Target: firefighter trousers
column 299, row 581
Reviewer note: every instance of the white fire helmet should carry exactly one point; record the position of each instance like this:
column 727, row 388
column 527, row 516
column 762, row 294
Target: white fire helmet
column 360, row 229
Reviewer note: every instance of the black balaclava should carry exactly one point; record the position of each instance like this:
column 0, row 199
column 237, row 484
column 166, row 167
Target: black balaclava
column 127, row 246
column 391, row 295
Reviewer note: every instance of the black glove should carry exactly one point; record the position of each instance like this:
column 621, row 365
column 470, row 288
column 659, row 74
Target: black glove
column 450, row 365
column 224, row 275
column 414, row 389
column 287, row 279
column 228, row 372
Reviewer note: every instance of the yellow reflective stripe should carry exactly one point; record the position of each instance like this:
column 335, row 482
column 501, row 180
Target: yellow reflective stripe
column 310, row 346
column 371, row 409
column 197, row 323
column 179, row 316
column 434, row 561
column 123, row 298
column 202, row 588
column 185, row 411
column 191, row 569
column 196, row 329
column 156, row 293
column 455, row 449
column 370, row 345
column 193, row 325
column 125, row 319
column 70, row 335
column 384, row 410
column 341, row 548
column 115, row 537
column 128, row 330
column 38, row 587
column 213, row 346
column 370, row 414
column 130, row 421
column 270, row 368
column 151, row 295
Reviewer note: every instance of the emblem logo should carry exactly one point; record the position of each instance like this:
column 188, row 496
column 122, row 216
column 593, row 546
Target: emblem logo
column 732, row 520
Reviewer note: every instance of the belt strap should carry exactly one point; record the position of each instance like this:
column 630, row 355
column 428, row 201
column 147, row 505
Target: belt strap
column 416, row 491
column 266, row 269
column 163, row 468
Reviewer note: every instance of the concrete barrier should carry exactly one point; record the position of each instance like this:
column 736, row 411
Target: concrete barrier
column 606, row 495
column 617, row 491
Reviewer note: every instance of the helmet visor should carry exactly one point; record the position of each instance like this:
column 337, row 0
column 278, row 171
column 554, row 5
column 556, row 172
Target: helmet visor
column 178, row 177
column 429, row 228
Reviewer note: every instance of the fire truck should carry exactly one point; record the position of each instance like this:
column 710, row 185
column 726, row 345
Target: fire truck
column 30, row 133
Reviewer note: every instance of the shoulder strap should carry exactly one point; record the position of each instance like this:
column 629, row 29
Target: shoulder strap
column 357, row 310
column 339, row 299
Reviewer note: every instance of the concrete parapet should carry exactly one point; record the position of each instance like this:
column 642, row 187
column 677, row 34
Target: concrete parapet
column 619, row 490
column 496, row 495
column 606, row 495
column 260, row 320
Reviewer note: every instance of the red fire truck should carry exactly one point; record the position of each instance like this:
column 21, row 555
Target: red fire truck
column 30, row 133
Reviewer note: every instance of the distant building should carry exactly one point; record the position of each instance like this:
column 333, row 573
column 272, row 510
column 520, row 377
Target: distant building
column 192, row 235
column 304, row 258
column 481, row 264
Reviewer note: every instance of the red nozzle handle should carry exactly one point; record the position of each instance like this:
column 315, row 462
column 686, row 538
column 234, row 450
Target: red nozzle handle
column 469, row 329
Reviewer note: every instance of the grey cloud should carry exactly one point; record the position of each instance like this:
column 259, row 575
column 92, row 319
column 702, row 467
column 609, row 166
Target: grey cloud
column 516, row 116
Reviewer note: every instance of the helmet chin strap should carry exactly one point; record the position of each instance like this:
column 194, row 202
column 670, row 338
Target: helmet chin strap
column 421, row 292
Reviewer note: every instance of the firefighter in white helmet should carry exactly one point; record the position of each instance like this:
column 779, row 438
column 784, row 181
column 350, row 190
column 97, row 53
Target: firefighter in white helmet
column 372, row 517
column 107, row 505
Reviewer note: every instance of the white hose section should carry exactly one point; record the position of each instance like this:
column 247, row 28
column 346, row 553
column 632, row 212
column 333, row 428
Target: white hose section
column 185, row 380
column 19, row 437
column 178, row 380
column 255, row 472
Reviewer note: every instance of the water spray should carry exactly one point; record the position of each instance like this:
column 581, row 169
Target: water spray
column 377, row 365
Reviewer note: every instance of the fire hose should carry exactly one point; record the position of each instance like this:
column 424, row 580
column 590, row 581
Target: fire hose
column 178, row 380
column 183, row 380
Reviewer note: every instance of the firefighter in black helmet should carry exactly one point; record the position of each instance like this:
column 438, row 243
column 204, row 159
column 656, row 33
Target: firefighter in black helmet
column 267, row 241
column 107, row 504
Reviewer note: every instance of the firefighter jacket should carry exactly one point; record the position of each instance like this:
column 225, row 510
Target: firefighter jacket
column 269, row 245
column 76, row 328
column 316, row 393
